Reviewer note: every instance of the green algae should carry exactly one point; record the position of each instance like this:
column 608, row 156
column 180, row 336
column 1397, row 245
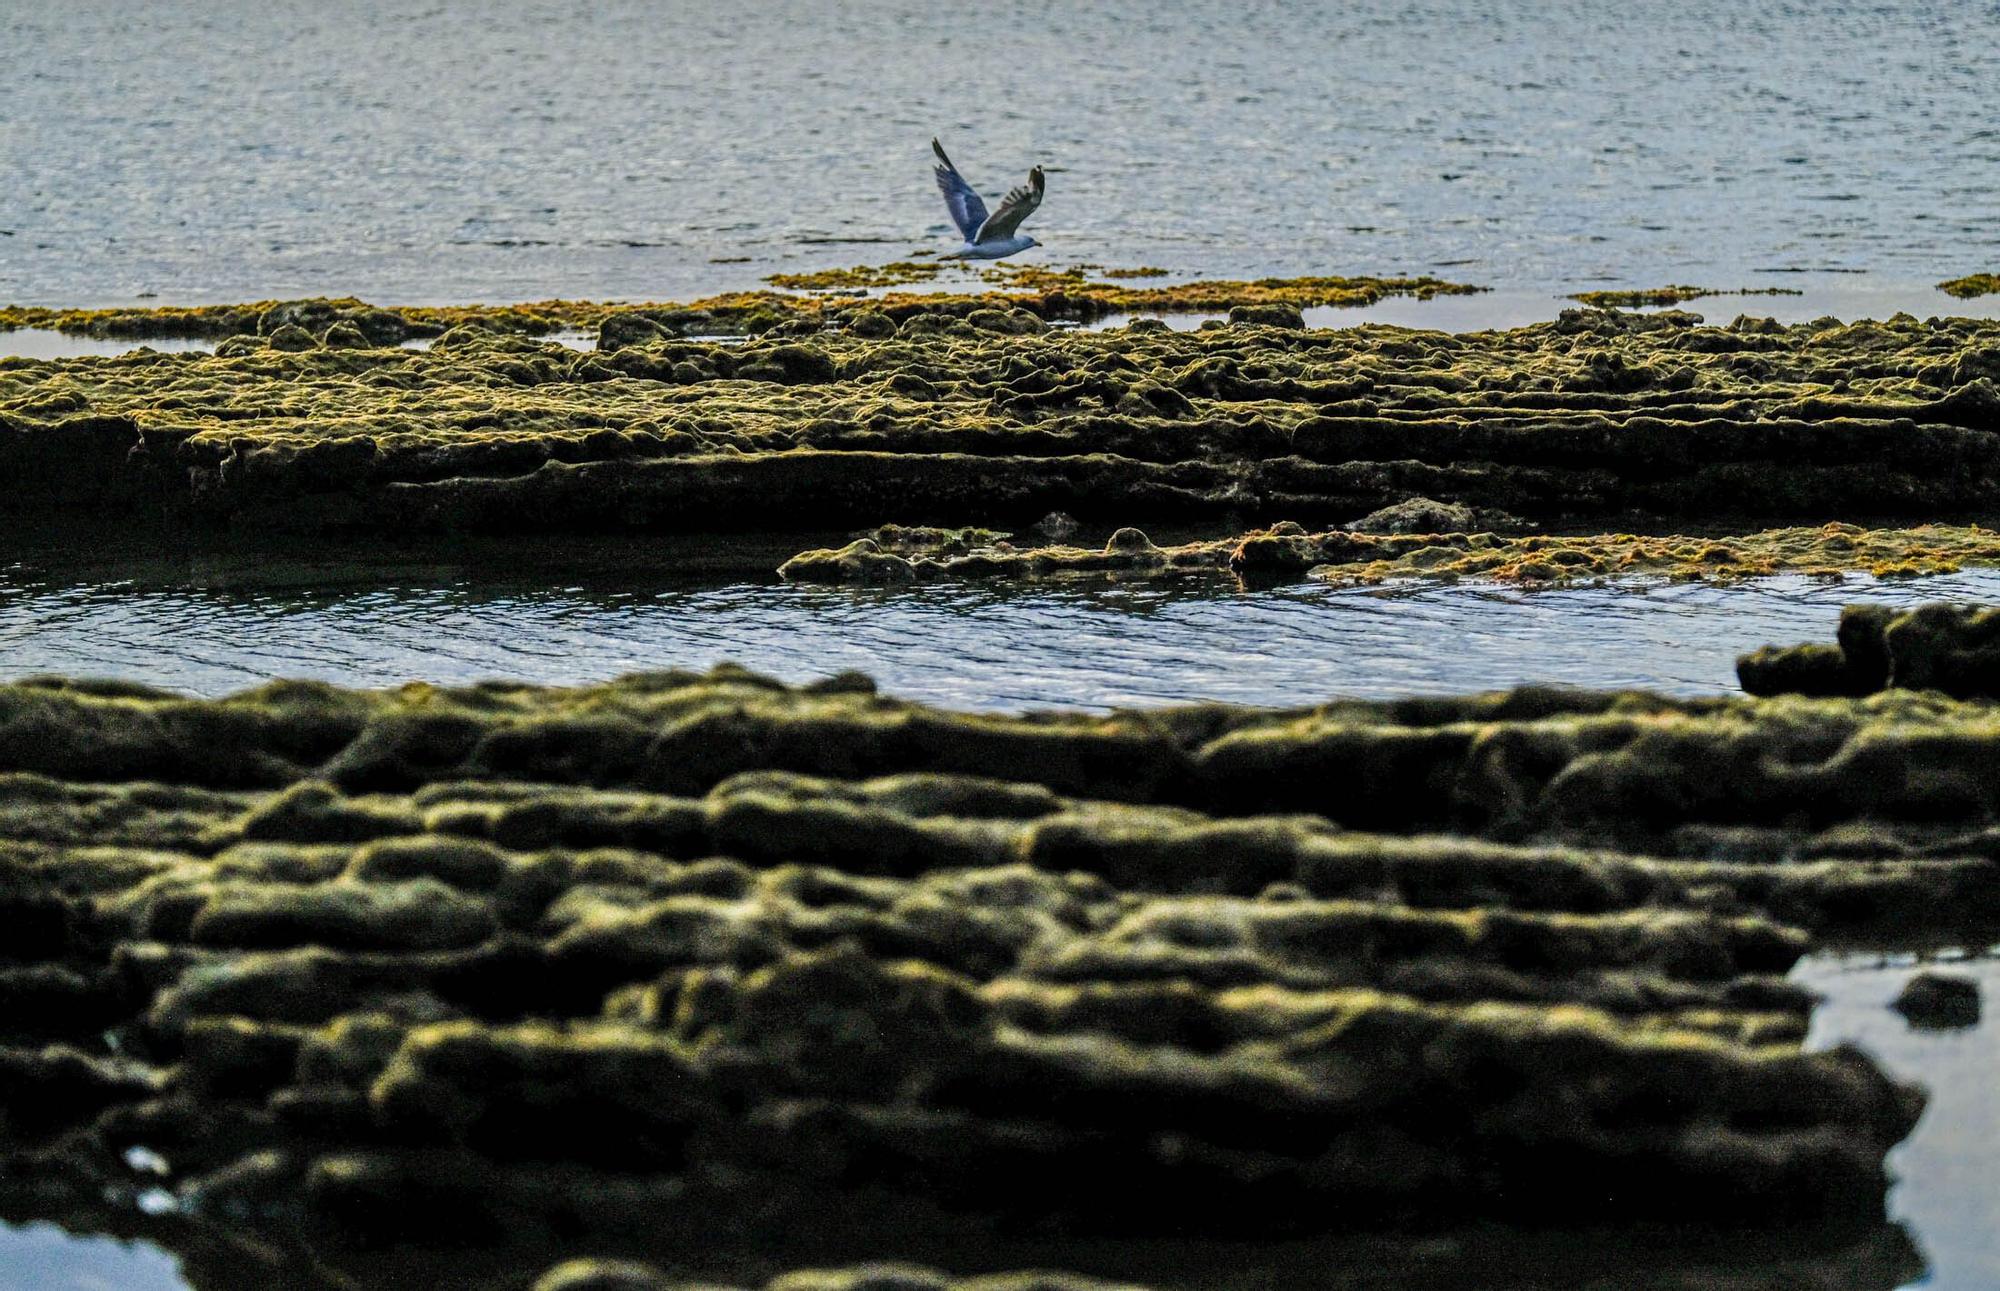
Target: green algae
column 1049, row 293
column 1670, row 295
column 1829, row 551
column 1978, row 284
column 900, row 273
column 955, row 411
column 1408, row 542
column 688, row 960
column 1216, row 296
column 1488, row 1266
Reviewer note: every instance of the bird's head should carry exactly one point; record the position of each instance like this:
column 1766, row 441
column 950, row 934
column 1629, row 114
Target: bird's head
column 1033, row 243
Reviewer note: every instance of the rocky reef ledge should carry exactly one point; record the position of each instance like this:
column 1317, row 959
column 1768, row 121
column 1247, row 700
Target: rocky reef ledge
column 1953, row 649
column 1379, row 549
column 718, row 969
column 972, row 410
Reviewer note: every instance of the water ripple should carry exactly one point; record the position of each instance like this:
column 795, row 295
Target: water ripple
column 970, row 647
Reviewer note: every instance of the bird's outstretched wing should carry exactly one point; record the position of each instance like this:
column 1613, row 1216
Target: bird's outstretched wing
column 968, row 212
column 1018, row 205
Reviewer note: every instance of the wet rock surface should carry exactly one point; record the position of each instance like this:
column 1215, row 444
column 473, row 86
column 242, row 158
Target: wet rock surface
column 702, row 963
column 1395, row 545
column 1933, row 999
column 607, row 1275
column 968, row 410
column 1954, row 649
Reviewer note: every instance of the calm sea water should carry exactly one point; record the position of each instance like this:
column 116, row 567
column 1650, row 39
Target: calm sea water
column 529, row 148
column 213, row 622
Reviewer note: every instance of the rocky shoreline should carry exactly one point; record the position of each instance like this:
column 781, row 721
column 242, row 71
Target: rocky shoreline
column 734, row 977
column 951, row 411
column 685, row 961
column 1287, row 553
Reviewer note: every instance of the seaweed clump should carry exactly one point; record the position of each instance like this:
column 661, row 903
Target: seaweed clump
column 1977, row 284
column 900, row 273
column 1670, row 295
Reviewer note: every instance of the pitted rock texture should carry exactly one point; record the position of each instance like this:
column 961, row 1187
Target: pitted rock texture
column 958, row 412
column 1286, row 553
column 685, row 959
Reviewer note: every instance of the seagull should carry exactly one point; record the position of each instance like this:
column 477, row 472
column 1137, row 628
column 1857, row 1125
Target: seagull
column 987, row 237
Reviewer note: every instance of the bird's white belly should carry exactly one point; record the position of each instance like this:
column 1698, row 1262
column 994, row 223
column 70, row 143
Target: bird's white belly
column 992, row 250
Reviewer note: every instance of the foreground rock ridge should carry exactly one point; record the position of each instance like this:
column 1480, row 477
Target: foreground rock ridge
column 703, row 965
column 853, row 413
column 1954, row 649
column 1355, row 555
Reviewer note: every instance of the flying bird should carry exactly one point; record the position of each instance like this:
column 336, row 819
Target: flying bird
column 987, row 237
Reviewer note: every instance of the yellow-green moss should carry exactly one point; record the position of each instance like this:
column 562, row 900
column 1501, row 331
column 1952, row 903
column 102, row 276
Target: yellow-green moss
column 1350, row 558
column 1671, row 295
column 945, row 410
column 1978, row 284
column 525, row 967
column 1825, row 550
column 898, row 274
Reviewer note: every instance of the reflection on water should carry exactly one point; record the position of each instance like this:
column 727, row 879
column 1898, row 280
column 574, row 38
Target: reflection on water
column 215, row 627
column 42, row 343
column 1947, row 1194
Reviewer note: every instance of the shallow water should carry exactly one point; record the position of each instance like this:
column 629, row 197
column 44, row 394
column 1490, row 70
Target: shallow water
column 41, row 343
column 42, row 1257
column 627, row 149
column 1946, row 1195
column 212, row 624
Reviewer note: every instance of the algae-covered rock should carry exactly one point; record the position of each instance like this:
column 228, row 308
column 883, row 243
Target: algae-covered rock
column 1977, row 284
column 1267, row 316
column 621, row 1275
column 1950, row 648
column 346, row 335
column 872, row 324
column 1006, row 322
column 606, row 1275
column 1940, row 1000
column 234, row 347
column 1129, row 541
column 1418, row 515
column 690, row 959
column 620, row 330
column 871, row 1277
column 860, row 561
column 974, row 414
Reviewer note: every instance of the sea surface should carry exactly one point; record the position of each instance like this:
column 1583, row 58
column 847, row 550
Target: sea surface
column 522, row 149
column 213, row 621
